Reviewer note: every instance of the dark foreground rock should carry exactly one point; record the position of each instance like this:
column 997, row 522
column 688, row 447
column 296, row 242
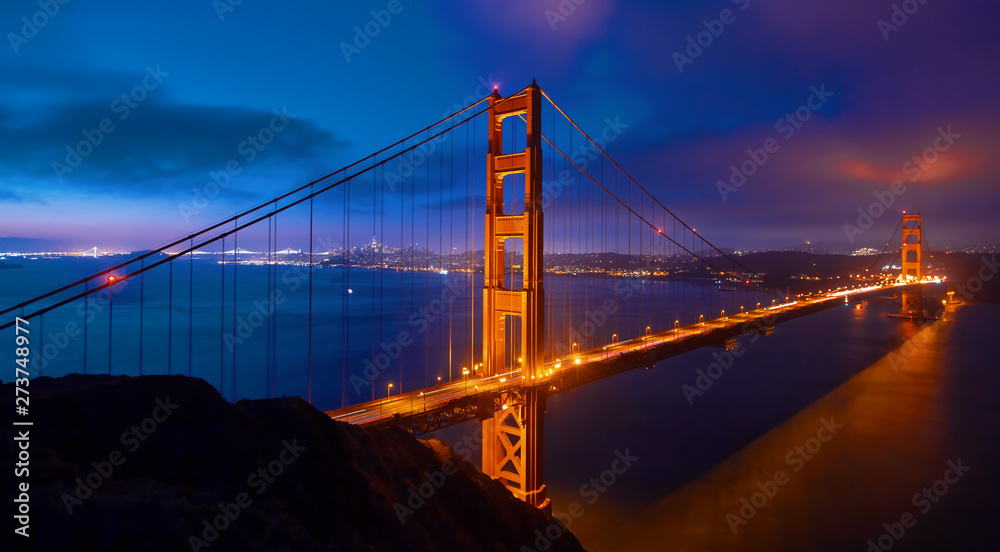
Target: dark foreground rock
column 164, row 463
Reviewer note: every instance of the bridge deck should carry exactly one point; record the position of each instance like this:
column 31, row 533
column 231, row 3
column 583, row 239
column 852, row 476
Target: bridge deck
column 425, row 410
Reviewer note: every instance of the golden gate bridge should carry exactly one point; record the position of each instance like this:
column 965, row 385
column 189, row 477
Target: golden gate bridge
column 583, row 273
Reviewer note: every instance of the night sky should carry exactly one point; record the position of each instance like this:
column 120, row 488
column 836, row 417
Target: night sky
column 211, row 73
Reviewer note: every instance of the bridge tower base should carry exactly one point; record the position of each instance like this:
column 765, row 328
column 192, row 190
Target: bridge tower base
column 512, row 446
column 912, row 263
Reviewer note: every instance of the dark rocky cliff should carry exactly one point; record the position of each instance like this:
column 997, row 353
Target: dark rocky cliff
column 164, row 463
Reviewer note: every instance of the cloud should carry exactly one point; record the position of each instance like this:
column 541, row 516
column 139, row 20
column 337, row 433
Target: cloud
column 157, row 145
column 9, row 196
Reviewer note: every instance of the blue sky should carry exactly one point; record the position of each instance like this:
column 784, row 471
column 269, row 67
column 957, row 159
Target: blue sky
column 218, row 79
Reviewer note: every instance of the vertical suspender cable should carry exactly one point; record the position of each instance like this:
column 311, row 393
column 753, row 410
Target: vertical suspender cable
column 86, row 324
column 374, row 347
column 413, row 239
column 468, row 209
column 222, row 318
column 170, row 322
column 472, row 272
column 111, row 312
column 191, row 309
column 347, row 284
column 274, row 313
column 567, row 209
column 41, row 336
column 427, row 248
column 451, row 248
column 380, row 184
column 142, row 289
column 270, row 296
column 236, row 264
column 309, row 346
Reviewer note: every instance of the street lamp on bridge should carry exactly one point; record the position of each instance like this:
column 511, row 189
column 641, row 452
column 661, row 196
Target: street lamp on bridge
column 389, row 387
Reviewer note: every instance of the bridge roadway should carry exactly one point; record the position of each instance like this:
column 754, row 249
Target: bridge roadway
column 474, row 397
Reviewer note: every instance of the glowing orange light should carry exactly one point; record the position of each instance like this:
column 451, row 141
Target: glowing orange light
column 111, row 278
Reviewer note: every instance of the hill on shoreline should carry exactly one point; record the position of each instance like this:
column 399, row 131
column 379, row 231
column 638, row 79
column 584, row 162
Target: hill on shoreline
column 165, row 463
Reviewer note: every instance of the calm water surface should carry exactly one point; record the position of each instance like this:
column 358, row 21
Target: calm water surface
column 699, row 456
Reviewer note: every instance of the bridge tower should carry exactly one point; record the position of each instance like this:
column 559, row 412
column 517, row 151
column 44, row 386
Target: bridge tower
column 513, row 437
column 912, row 261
